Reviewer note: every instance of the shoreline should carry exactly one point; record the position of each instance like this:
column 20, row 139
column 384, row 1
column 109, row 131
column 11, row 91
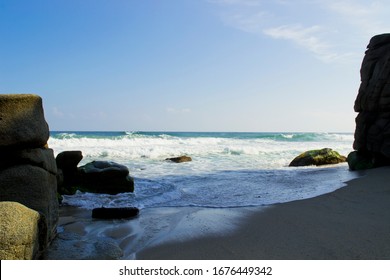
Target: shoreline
column 352, row 222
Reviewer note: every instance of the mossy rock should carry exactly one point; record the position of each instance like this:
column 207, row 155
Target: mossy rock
column 318, row 157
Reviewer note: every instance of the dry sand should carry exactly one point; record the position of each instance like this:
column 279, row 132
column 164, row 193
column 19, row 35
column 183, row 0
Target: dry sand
column 350, row 223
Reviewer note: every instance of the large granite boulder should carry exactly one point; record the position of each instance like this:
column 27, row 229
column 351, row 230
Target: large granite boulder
column 372, row 133
column 27, row 167
column 22, row 121
column 39, row 157
column 318, row 157
column 20, row 231
column 33, row 187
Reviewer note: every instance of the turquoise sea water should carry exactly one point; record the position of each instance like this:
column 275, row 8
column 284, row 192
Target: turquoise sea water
column 229, row 169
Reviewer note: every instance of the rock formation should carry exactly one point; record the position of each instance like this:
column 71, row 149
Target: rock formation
column 21, row 229
column 67, row 174
column 372, row 134
column 115, row 212
column 22, row 122
column 179, row 159
column 67, row 161
column 106, row 177
column 96, row 176
column 27, row 167
column 318, row 157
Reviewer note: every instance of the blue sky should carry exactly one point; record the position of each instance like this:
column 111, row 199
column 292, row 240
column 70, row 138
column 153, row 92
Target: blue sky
column 189, row 65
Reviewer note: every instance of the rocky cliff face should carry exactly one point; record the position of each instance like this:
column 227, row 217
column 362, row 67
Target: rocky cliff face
column 27, row 168
column 372, row 134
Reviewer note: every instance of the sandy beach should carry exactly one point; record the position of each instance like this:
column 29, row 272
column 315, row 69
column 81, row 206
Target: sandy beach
column 350, row 223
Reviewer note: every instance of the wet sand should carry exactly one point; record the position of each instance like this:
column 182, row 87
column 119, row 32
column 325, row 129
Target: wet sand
column 351, row 223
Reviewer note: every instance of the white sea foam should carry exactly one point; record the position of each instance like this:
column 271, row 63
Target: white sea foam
column 266, row 151
column 226, row 171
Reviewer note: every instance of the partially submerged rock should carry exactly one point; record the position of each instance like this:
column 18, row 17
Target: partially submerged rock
column 105, row 177
column 98, row 177
column 179, row 159
column 104, row 169
column 318, row 157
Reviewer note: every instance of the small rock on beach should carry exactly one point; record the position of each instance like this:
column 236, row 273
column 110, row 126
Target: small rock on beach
column 179, row 159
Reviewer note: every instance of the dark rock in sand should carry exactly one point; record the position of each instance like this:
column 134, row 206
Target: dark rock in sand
column 115, row 213
column 360, row 161
column 22, row 121
column 372, row 133
column 105, row 177
column 318, row 157
column 180, row 159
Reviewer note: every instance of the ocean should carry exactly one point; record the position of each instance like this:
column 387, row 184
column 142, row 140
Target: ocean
column 227, row 170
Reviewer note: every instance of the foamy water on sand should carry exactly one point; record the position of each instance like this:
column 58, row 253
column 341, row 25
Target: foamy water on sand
column 227, row 169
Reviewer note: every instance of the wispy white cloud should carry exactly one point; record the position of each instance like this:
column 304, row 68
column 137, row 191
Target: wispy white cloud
column 368, row 17
column 265, row 21
column 353, row 8
column 305, row 37
column 252, row 23
column 329, row 30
